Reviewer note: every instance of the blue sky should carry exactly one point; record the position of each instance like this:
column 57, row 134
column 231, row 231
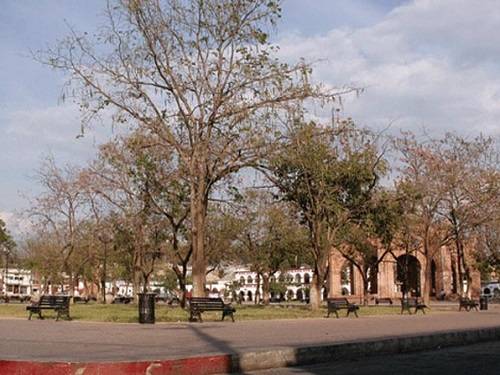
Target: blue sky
column 424, row 63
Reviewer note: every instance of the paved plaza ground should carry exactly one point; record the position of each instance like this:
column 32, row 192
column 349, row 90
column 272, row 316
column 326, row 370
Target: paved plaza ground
column 47, row 340
column 480, row 359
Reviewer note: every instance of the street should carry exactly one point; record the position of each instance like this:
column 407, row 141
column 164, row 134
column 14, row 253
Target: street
column 478, row 359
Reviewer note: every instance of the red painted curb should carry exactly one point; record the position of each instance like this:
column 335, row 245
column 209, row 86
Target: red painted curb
column 186, row 366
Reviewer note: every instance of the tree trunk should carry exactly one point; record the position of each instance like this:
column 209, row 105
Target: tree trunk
column 365, row 289
column 426, row 289
column 85, row 287
column 429, row 251
column 464, row 271
column 136, row 282
column 257, row 289
column 181, row 279
column 71, row 284
column 460, row 278
column 46, row 286
column 198, row 222
column 103, row 290
column 182, row 287
column 265, row 289
column 315, row 292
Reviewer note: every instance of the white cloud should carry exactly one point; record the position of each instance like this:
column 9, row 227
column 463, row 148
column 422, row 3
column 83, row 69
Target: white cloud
column 427, row 64
column 15, row 224
column 28, row 135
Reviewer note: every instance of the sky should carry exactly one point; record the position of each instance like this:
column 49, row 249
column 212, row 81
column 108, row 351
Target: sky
column 423, row 64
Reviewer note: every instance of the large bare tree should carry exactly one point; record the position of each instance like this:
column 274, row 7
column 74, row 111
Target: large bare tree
column 201, row 74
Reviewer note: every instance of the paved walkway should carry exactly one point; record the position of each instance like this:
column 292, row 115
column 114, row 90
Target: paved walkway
column 48, row 340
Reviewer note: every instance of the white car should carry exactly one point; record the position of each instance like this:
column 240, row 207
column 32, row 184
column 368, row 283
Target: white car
column 491, row 290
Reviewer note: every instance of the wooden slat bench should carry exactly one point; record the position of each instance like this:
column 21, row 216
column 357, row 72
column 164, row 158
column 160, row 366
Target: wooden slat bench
column 60, row 304
column 408, row 303
column 383, row 301
column 468, row 304
column 336, row 304
column 198, row 305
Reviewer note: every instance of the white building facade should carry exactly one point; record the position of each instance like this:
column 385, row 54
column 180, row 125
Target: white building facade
column 295, row 282
column 17, row 283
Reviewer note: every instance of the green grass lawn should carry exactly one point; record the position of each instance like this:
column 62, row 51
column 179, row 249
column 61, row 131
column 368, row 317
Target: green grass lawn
column 128, row 313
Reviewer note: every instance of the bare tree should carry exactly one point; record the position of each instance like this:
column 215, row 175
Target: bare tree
column 59, row 211
column 467, row 171
column 199, row 74
column 450, row 188
column 150, row 201
column 417, row 187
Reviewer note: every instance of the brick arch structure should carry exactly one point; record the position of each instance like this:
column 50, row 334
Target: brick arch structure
column 444, row 280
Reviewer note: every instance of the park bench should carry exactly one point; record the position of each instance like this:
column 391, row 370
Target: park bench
column 122, row 299
column 198, row 305
column 336, row 304
column 408, row 303
column 60, row 304
column 80, row 299
column 15, row 298
column 467, row 303
column 383, row 301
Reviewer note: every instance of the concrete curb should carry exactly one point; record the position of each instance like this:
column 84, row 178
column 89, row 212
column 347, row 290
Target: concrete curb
column 257, row 360
column 330, row 353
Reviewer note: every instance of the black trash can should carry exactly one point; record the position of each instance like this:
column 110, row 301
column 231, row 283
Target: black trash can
column 146, row 308
column 483, row 303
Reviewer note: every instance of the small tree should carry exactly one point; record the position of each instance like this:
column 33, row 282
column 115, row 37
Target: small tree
column 7, row 243
column 269, row 237
column 367, row 240
column 6, row 240
column 136, row 179
column 59, row 211
column 488, row 255
column 328, row 173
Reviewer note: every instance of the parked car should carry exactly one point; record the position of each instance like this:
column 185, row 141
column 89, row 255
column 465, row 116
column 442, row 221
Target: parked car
column 491, row 290
column 168, row 297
